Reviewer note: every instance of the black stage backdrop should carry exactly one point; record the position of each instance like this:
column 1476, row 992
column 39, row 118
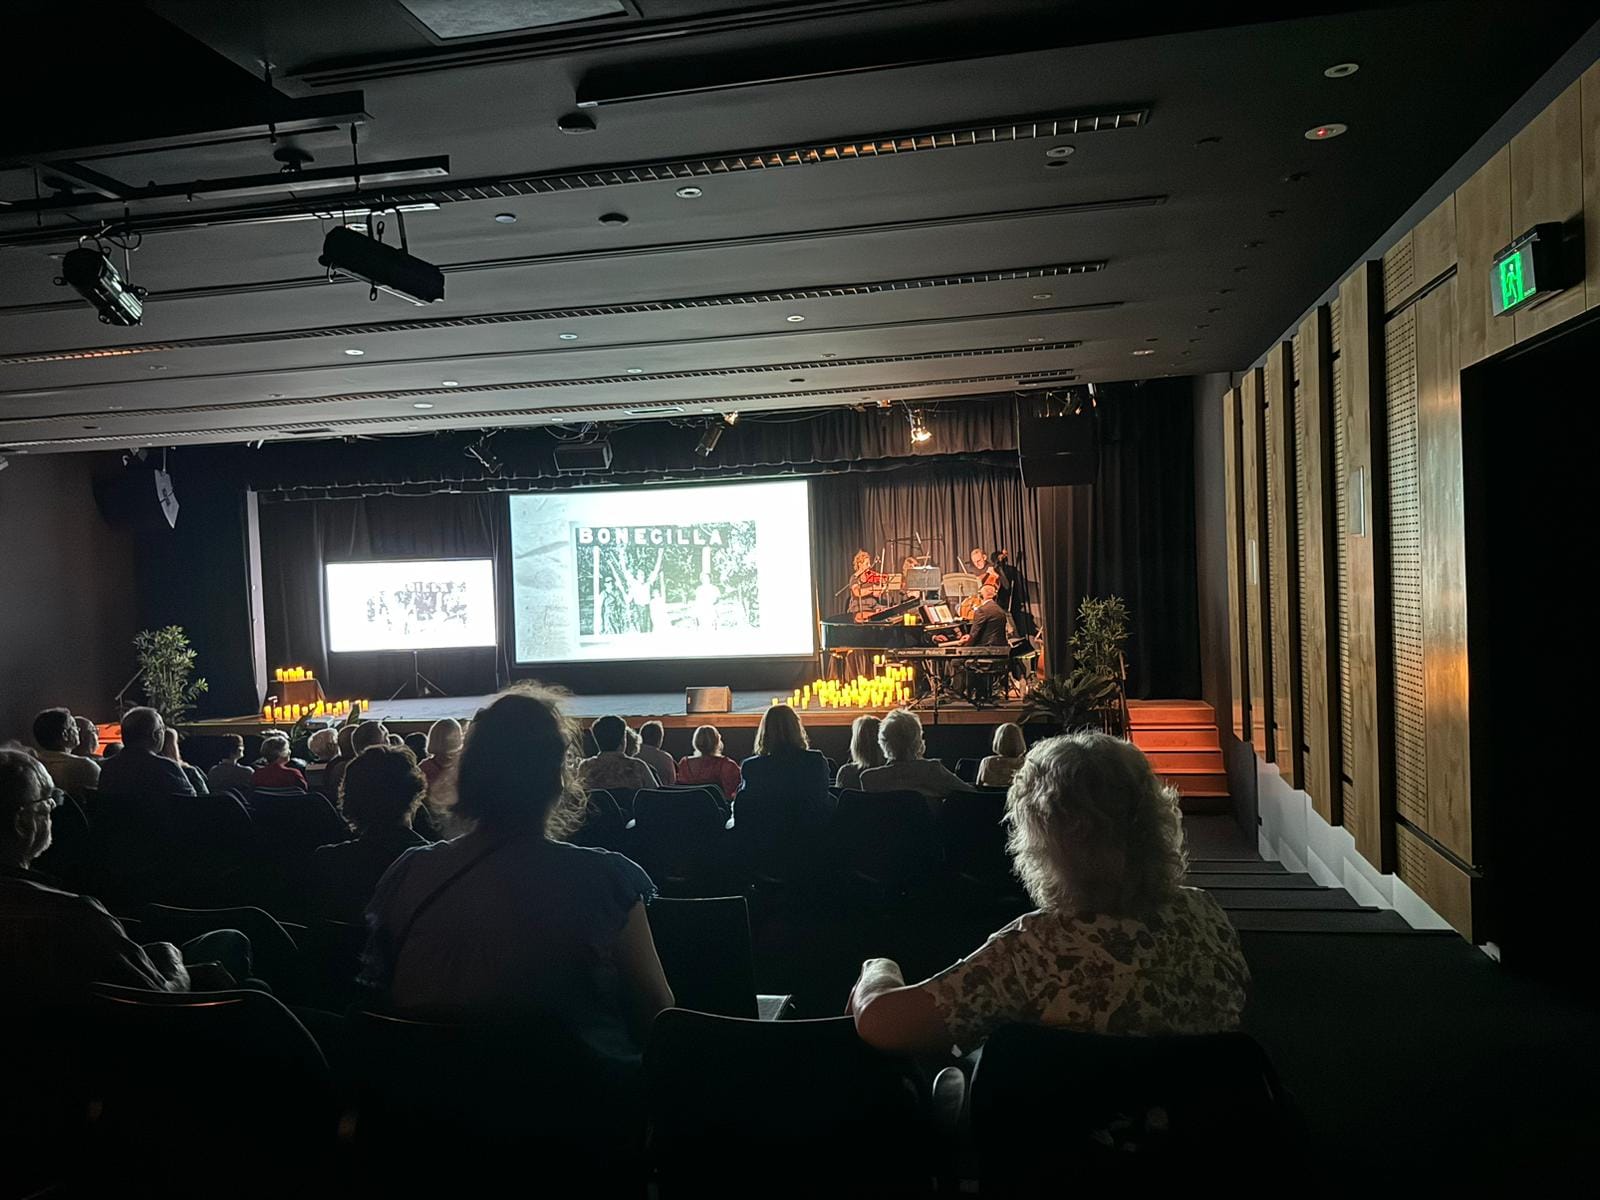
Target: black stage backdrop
column 1132, row 534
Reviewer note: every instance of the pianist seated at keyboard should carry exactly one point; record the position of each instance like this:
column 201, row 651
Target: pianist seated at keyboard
column 988, row 624
column 900, row 735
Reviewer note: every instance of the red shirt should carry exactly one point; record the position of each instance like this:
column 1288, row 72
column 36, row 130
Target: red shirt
column 703, row 768
column 277, row 775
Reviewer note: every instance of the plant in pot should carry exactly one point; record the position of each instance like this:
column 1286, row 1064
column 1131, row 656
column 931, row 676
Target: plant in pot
column 1088, row 695
column 166, row 662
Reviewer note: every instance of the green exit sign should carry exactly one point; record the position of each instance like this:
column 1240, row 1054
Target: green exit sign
column 1527, row 271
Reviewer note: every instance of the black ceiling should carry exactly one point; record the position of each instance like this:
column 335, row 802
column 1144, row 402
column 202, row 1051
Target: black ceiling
column 881, row 170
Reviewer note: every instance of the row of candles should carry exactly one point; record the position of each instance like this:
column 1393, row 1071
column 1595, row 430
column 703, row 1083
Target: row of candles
column 888, row 685
column 278, row 713
column 293, row 674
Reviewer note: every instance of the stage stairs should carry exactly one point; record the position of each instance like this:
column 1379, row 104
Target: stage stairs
column 1179, row 737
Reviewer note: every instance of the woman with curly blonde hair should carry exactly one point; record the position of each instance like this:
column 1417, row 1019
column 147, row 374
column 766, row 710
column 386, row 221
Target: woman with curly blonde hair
column 1117, row 944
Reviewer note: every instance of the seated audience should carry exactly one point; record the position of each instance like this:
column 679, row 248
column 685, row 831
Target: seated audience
column 112, row 749
column 169, row 749
column 417, row 743
column 139, row 769
column 55, row 732
column 1117, row 945
column 444, row 744
column 380, row 794
column 299, row 764
column 865, row 753
column 277, row 773
column 334, row 775
column 784, row 768
column 230, row 774
column 904, row 769
column 1010, row 748
column 88, row 738
column 369, row 733
column 651, row 734
column 55, row 943
column 507, row 919
column 708, row 764
column 324, row 746
column 613, row 767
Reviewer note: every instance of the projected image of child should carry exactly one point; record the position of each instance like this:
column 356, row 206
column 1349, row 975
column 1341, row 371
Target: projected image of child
column 640, row 581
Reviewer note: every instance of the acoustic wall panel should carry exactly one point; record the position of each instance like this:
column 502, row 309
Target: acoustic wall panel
column 1258, row 611
column 1233, row 485
column 1278, row 382
column 1443, row 885
column 1319, row 599
column 1405, row 569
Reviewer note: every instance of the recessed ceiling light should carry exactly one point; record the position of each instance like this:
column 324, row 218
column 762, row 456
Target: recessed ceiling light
column 1036, row 339
column 1142, row 353
column 1043, row 295
column 794, row 318
column 422, row 404
column 1254, row 245
column 1342, row 70
column 689, row 193
column 1321, row 133
column 567, row 337
column 506, row 218
column 830, row 354
column 575, row 122
column 91, row 427
column 1152, row 339
column 635, row 370
column 1274, row 213
column 1210, row 139
column 449, row 383
column 613, row 218
column 1056, row 162
column 797, row 379
column 159, row 367
column 353, row 352
column 1060, row 152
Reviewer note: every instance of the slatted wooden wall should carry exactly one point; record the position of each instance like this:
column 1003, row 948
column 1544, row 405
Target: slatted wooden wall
column 1283, row 557
column 1233, row 476
column 1257, row 582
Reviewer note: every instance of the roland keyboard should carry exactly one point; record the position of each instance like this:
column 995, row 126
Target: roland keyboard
column 918, row 653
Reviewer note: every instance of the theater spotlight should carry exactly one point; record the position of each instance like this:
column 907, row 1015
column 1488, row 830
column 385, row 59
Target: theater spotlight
column 93, row 275
column 709, row 439
column 482, row 453
column 385, row 268
column 920, row 433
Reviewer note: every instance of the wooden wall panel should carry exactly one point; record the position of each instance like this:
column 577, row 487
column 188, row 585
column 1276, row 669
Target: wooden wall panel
column 1405, row 568
column 1283, row 557
column 1369, row 750
column 1233, row 484
column 1483, row 228
column 1319, row 601
column 1589, row 98
column 1258, row 636
column 1547, row 185
column 1433, row 243
column 1444, row 573
column 1443, row 885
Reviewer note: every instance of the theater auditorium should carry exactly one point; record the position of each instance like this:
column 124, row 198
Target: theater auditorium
column 821, row 598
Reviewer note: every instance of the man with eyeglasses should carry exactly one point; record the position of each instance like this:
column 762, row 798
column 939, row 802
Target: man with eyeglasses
column 55, row 733
column 54, row 943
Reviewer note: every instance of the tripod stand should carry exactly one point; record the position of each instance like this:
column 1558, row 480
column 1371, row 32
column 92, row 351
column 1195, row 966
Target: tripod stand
column 420, row 684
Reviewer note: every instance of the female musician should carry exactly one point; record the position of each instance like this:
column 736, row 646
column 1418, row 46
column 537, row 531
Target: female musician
column 866, row 585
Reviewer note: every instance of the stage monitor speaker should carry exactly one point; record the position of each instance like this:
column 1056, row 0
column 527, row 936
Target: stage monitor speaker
column 708, row 700
column 579, row 459
column 1058, row 450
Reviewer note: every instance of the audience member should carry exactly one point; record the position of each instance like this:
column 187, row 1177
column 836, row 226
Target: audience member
column 381, row 792
column 1010, row 748
column 139, row 770
column 169, row 749
column 508, row 920
column 299, row 764
column 334, row 775
column 865, row 753
column 417, row 743
column 612, row 767
column 230, row 774
column 904, row 769
column 112, row 749
column 708, row 764
column 653, row 756
column 1117, row 944
column 785, row 770
column 55, row 943
column 88, row 737
column 55, row 733
column 368, row 733
column 323, row 745
column 444, row 744
column 277, row 773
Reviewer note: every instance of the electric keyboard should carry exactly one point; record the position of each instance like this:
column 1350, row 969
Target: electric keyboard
column 917, row 653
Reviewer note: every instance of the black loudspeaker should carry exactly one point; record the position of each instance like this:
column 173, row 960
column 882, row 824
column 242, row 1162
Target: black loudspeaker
column 1058, row 450
column 708, row 700
column 127, row 495
column 584, row 457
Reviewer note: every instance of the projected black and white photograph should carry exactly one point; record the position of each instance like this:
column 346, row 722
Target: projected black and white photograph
column 646, row 580
column 417, row 604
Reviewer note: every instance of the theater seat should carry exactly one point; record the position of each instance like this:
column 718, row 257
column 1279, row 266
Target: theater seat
column 884, row 842
column 705, row 952
column 743, row 1108
column 276, row 955
column 604, row 823
column 1140, row 1113
column 681, row 839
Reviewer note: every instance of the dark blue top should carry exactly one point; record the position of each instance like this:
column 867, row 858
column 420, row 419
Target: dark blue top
column 141, row 773
column 517, row 924
column 790, row 777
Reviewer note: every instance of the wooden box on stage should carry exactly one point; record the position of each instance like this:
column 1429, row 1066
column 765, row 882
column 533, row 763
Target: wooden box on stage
column 297, row 691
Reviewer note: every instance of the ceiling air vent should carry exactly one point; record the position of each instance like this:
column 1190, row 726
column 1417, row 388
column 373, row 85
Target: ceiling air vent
column 451, row 19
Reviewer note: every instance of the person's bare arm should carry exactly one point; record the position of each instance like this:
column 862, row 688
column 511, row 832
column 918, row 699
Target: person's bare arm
column 891, row 1015
column 642, row 977
column 168, row 962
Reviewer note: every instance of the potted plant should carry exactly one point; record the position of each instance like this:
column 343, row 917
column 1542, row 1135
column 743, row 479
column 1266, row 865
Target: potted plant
column 1091, row 693
column 166, row 661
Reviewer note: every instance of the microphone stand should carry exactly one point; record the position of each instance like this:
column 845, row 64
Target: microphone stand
column 122, row 707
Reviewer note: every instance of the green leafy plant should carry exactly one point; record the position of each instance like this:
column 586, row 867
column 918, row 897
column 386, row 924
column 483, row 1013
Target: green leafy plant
column 1088, row 694
column 1101, row 634
column 166, row 661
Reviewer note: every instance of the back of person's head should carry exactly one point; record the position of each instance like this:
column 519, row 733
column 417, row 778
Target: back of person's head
column 275, row 749
column 88, row 736
column 900, row 735
column 632, row 741
column 781, row 730
column 708, row 740
column 609, row 733
column 234, row 750
column 381, row 789
column 368, row 733
column 169, row 744
column 323, row 744
column 417, row 743
column 142, row 729
column 1093, row 829
column 444, row 738
column 55, row 729
column 518, row 768
column 24, row 783
column 112, row 750
column 651, row 733
column 864, row 749
column 1009, row 742
column 347, row 734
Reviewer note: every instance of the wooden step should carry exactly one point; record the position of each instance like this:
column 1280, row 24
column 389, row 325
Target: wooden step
column 1355, row 920
column 1248, row 879
column 1196, row 783
column 1206, row 806
column 1143, row 713
column 1184, row 762
column 1174, row 737
column 1292, row 899
column 1235, row 866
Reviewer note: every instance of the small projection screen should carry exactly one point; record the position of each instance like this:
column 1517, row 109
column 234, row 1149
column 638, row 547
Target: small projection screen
column 410, row 604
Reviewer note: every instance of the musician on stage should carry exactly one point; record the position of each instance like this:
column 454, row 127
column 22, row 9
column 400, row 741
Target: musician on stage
column 866, row 585
column 988, row 623
column 995, row 570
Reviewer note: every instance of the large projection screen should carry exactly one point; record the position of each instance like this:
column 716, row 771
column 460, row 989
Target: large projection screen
column 410, row 604
column 709, row 571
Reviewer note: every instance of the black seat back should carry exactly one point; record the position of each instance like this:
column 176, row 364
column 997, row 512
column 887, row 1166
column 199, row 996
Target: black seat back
column 967, row 769
column 275, row 953
column 705, row 951
column 888, row 839
column 679, row 837
column 290, row 823
column 972, row 825
column 603, row 825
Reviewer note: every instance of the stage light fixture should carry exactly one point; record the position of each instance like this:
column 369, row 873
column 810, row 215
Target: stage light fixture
column 731, row 418
column 384, row 268
column 709, row 439
column 482, row 453
column 920, row 433
column 92, row 274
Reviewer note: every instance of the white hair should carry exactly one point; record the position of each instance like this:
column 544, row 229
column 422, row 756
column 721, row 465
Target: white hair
column 900, row 735
column 275, row 749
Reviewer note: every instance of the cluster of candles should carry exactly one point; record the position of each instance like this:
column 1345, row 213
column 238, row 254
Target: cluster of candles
column 278, row 713
column 293, row 674
column 888, row 685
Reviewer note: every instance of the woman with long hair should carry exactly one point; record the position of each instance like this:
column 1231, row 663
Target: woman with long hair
column 784, row 770
column 865, row 753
